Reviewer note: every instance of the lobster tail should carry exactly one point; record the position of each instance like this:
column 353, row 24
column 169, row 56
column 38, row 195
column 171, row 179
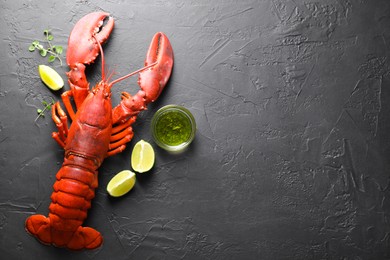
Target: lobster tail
column 84, row 237
column 71, row 198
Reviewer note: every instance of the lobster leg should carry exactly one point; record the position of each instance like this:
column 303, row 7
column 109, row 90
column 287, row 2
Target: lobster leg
column 151, row 81
column 68, row 104
column 120, row 136
column 61, row 120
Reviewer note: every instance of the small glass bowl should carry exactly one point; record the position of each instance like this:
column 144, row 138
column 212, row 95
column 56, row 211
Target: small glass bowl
column 173, row 127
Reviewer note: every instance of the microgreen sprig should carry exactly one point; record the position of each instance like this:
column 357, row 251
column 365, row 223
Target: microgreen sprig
column 55, row 51
column 47, row 106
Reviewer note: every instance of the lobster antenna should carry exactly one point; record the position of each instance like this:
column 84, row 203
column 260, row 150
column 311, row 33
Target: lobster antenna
column 102, row 55
column 132, row 73
column 110, row 76
column 121, row 78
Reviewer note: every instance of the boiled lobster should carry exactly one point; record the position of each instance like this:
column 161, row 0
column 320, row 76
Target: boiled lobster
column 96, row 132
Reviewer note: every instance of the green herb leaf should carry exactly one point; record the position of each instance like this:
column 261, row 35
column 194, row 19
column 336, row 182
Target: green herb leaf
column 58, row 49
column 51, row 58
column 43, row 52
column 55, row 51
column 41, row 112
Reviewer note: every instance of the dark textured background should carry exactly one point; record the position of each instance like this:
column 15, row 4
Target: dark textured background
column 291, row 157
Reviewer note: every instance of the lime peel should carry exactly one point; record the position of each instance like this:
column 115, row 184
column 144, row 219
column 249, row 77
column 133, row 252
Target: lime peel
column 50, row 77
column 142, row 157
column 121, row 183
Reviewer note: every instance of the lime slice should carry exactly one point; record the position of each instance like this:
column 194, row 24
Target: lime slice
column 142, row 157
column 50, row 77
column 121, row 183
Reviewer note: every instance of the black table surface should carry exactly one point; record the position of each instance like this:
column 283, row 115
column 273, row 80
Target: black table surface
column 291, row 154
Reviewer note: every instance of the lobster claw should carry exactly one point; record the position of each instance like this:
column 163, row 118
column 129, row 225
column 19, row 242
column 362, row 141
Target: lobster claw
column 152, row 81
column 82, row 46
column 159, row 60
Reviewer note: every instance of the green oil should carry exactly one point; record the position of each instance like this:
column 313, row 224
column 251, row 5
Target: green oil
column 173, row 128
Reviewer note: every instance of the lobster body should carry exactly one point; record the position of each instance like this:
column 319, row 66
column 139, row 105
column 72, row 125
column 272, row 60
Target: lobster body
column 89, row 138
column 97, row 131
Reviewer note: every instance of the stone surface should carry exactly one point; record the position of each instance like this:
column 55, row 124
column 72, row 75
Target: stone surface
column 291, row 157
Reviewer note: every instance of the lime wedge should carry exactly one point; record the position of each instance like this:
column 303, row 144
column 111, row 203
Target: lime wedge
column 50, row 77
column 142, row 157
column 121, row 183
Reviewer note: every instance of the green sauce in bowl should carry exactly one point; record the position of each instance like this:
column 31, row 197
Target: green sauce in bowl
column 173, row 127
